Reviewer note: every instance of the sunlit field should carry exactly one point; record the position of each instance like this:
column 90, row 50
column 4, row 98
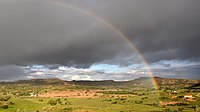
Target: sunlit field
column 76, row 98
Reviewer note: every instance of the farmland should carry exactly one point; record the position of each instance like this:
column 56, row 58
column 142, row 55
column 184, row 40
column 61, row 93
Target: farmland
column 55, row 95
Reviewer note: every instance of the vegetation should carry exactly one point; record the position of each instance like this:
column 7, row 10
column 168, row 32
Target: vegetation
column 27, row 97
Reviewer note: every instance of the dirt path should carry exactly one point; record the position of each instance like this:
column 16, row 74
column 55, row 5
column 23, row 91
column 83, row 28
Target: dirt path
column 72, row 94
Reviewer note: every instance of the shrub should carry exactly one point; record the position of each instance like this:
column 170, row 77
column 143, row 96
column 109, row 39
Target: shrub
column 122, row 99
column 41, row 100
column 114, row 102
column 164, row 98
column 95, row 95
column 138, row 102
column 4, row 106
column 167, row 110
column 11, row 103
column 68, row 109
column 52, row 102
column 24, row 94
column 180, row 109
column 155, row 104
column 68, row 103
column 4, row 98
column 59, row 101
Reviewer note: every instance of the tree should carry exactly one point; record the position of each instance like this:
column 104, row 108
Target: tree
column 59, row 101
column 52, row 102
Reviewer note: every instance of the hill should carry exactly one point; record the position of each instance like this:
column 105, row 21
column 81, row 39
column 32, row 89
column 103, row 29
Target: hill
column 147, row 81
column 51, row 81
column 142, row 81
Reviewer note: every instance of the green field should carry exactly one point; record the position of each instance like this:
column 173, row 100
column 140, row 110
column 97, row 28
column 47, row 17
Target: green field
column 17, row 98
column 90, row 104
column 93, row 105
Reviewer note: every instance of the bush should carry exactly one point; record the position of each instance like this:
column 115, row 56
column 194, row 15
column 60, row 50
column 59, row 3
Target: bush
column 155, row 104
column 52, row 102
column 11, row 103
column 114, row 102
column 122, row 99
column 68, row 109
column 41, row 100
column 164, row 98
column 144, row 98
column 180, row 109
column 138, row 102
column 4, row 98
column 59, row 101
column 68, row 103
column 95, row 95
column 167, row 110
column 4, row 106
column 24, row 94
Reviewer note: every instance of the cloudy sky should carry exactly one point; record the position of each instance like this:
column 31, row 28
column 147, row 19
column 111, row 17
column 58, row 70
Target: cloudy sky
column 77, row 39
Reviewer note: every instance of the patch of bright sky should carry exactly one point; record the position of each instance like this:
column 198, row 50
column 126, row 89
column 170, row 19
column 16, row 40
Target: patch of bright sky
column 102, row 71
column 38, row 66
column 107, row 68
column 111, row 68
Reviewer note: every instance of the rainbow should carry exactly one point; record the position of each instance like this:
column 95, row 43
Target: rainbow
column 115, row 29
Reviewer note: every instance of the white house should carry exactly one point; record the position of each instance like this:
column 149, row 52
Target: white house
column 33, row 95
column 188, row 96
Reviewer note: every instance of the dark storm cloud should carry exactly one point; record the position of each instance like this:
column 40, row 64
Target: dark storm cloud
column 189, row 72
column 169, row 30
column 161, row 29
column 11, row 72
column 37, row 32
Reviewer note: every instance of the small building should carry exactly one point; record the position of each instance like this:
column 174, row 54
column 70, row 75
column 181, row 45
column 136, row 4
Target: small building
column 33, row 95
column 174, row 92
column 188, row 96
column 174, row 96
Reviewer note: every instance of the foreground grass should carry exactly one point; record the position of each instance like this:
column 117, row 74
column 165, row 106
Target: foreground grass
column 78, row 104
column 140, row 100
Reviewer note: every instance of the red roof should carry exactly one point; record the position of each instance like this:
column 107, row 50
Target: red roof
column 188, row 95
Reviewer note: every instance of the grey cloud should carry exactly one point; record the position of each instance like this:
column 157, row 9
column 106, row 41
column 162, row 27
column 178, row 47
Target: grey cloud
column 38, row 32
column 160, row 29
column 189, row 72
column 11, row 72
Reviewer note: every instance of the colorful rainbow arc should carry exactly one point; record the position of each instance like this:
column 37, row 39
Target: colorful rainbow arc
column 120, row 33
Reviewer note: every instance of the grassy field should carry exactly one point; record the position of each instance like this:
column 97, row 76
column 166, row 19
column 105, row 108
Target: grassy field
column 82, row 104
column 62, row 98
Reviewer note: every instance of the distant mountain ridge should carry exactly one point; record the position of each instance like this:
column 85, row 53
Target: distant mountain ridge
column 50, row 81
column 142, row 81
